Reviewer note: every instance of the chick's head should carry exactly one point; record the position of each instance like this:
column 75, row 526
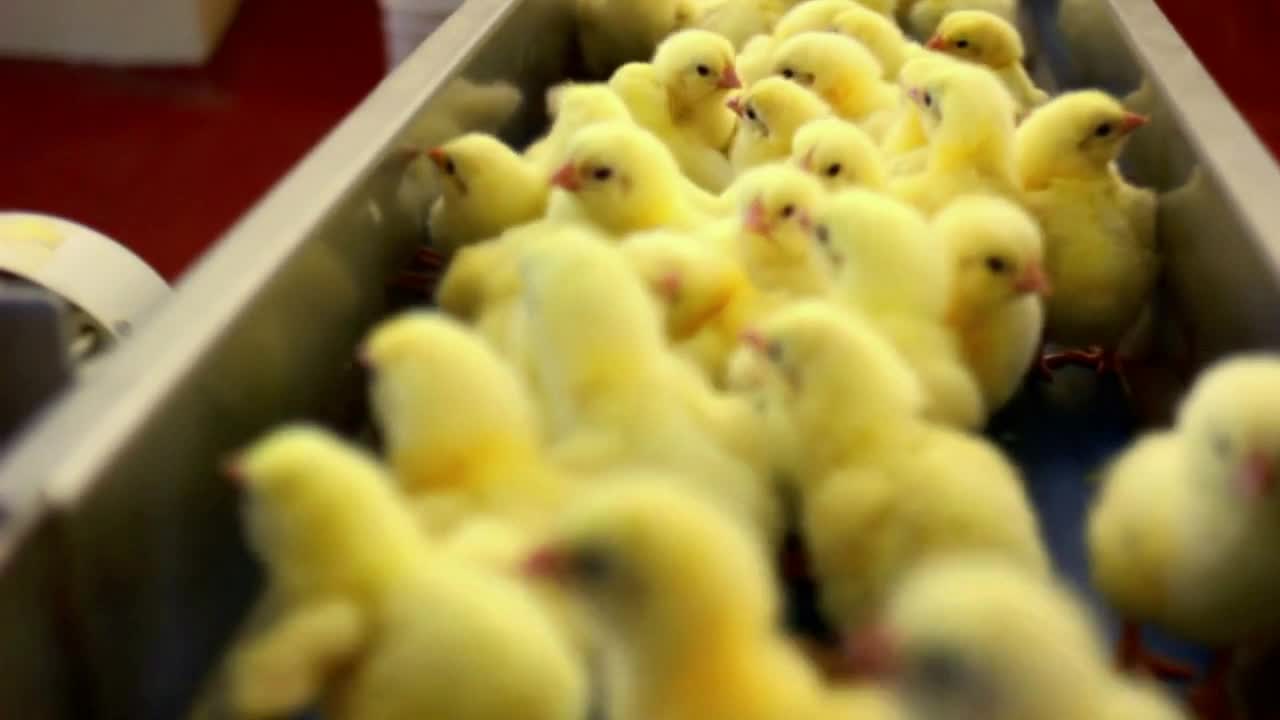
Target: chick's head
column 840, row 154
column 655, row 564
column 1230, row 425
column 691, row 282
column 978, row 36
column 577, row 105
column 997, row 250
column 775, row 108
column 622, row 175
column 831, row 65
column 1075, row 136
column 696, row 65
column 884, row 254
column 476, row 166
column 975, row 637
column 812, row 16
column 776, row 205
column 967, row 112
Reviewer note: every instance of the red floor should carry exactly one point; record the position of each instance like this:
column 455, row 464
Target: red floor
column 165, row 160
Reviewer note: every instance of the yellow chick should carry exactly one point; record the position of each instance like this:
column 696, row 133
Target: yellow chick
column 376, row 624
column 1140, row 700
column 622, row 179
column 840, row 71
column 887, row 8
column 600, row 359
column 881, row 490
column 770, row 112
column 879, row 34
column 755, row 58
column 701, row 640
column 840, row 154
column 614, row 32
column 988, row 40
column 681, row 97
column 996, row 307
column 969, row 119
column 486, row 187
column 974, row 636
column 1100, row 239
column 926, row 15
column 741, row 20
column 573, row 107
column 1181, row 533
column 906, row 144
column 890, row 266
column 460, row 432
column 770, row 238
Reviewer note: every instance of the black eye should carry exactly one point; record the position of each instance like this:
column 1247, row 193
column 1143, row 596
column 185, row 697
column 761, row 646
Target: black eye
column 823, row 234
column 751, row 113
column 592, row 565
column 788, row 73
column 1103, row 130
column 774, row 350
column 833, row 169
column 788, row 211
column 928, row 100
column 962, row 44
column 703, row 70
column 449, row 167
column 996, row 265
column 939, row 673
column 602, row 174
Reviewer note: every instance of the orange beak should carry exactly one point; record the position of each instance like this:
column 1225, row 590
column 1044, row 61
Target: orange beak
column 669, row 285
column 438, row 157
column 729, row 80
column 567, row 177
column 735, row 104
column 754, row 339
column 937, row 42
column 1132, row 121
column 755, row 220
column 1256, row 478
column 1034, row 280
column 874, row 652
column 547, row 563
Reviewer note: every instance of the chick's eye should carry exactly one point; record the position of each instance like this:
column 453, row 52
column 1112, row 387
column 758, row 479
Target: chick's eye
column 833, row 169
column 602, row 174
column 962, row 44
column 593, row 565
column 703, row 70
column 1103, row 130
column 939, row 673
column 774, row 350
column 928, row 99
column 823, row 234
column 996, row 265
column 751, row 113
column 788, row 211
column 449, row 167
column 788, row 73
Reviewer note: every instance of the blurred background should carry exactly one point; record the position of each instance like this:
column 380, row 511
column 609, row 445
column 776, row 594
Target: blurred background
column 163, row 155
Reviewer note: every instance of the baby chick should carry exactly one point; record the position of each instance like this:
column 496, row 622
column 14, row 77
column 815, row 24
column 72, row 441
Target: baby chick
column 1099, row 230
column 681, row 96
column 882, row 491
column 376, row 624
column 1181, row 532
column 989, row 40
column 968, row 117
column 889, row 265
column 771, row 111
column 614, row 32
column 840, row 154
column 573, row 106
column 755, row 59
column 926, row 15
column 623, row 179
column 688, row 603
column 600, row 359
column 840, row 71
column 485, row 189
column 996, row 305
column 460, row 431
column 906, row 144
column 973, row 636
column 879, row 34
column 741, row 20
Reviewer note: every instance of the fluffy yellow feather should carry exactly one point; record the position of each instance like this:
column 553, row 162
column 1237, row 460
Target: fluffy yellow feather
column 413, row 634
column 840, row 71
column 840, row 154
column 925, row 15
column 890, row 266
column 881, row 490
column 741, row 20
column 485, row 188
column 572, row 107
column 614, row 32
column 770, row 112
column 987, row 39
column 996, row 307
column 1099, row 230
column 879, row 34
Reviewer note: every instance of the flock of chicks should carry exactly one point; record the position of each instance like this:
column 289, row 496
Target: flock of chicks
column 769, row 282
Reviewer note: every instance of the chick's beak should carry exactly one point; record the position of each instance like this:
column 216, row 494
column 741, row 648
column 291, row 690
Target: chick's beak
column 754, row 339
column 670, row 284
column 438, row 157
column 1034, row 280
column 756, row 220
column 567, row 177
column 729, row 79
column 936, row 43
column 1131, row 122
column 233, row 469
column 873, row 652
column 1256, row 477
column 735, row 104
column 547, row 563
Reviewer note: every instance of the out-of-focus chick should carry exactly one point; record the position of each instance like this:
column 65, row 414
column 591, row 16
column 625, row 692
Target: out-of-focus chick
column 996, row 309
column 906, row 145
column 973, row 636
column 879, row 34
column 485, row 188
column 887, row 8
column 968, row 117
column 368, row 606
column 600, row 357
column 1180, row 535
column 840, row 71
column 770, row 112
column 989, row 40
column 840, row 154
column 741, row 20
column 680, row 97
column 623, row 180
column 460, row 432
column 770, row 238
column 1139, row 700
column 1099, row 230
column 700, row 640
column 755, row 59
column 882, row 491
column 927, row 15
column 572, row 107
column 614, row 32
column 889, row 265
